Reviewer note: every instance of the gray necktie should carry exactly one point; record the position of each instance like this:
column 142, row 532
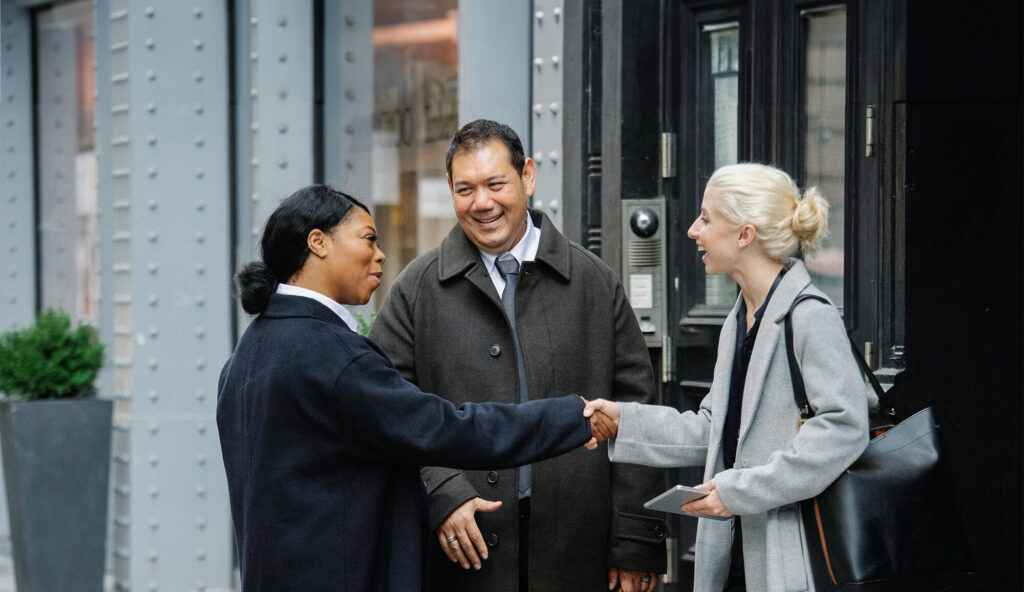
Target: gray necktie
column 508, row 267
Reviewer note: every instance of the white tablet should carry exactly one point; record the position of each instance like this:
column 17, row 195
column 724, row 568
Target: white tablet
column 673, row 499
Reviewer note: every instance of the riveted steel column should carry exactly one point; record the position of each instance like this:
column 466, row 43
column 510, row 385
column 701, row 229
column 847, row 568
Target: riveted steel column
column 348, row 97
column 282, row 93
column 17, row 185
column 494, row 63
column 180, row 313
column 548, row 46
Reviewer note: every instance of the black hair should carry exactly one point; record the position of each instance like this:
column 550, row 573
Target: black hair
column 283, row 247
column 478, row 132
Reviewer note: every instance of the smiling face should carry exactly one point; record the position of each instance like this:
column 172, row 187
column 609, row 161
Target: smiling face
column 354, row 259
column 490, row 197
column 715, row 236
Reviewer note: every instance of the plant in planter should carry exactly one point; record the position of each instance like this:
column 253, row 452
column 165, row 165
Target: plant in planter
column 55, row 440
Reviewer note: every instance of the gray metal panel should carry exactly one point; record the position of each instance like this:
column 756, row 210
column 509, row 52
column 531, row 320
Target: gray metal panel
column 494, row 63
column 179, row 292
column 348, row 97
column 548, row 55
column 283, row 106
column 17, row 184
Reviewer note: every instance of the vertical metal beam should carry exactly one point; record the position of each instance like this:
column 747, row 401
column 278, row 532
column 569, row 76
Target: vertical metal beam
column 179, row 291
column 548, row 106
column 348, row 97
column 17, row 181
column 494, row 63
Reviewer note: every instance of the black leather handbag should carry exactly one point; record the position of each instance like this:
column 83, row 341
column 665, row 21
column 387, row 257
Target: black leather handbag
column 890, row 521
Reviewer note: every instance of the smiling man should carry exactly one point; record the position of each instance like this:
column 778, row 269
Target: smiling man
column 506, row 309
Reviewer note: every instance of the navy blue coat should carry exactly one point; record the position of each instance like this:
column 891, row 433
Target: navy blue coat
column 322, row 442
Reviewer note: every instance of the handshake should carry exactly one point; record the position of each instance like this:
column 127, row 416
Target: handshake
column 604, row 420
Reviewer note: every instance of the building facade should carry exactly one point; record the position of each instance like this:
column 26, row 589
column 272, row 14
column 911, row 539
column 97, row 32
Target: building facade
column 143, row 144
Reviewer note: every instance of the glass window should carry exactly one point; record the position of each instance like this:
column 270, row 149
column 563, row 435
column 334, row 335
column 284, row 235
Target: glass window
column 415, row 113
column 719, row 123
column 824, row 140
column 67, row 173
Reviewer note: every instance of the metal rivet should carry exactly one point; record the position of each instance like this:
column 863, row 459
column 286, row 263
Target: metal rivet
column 199, row 141
column 200, row 555
column 151, row 107
column 201, row 523
column 154, row 396
column 154, row 460
column 350, row 19
column 198, row 76
column 150, row 74
column 253, row 21
column 200, row 490
column 152, row 267
column 200, row 238
column 282, row 127
column 350, row 94
column 153, row 427
column 154, row 491
column 350, row 56
column 153, row 300
column 554, row 61
column 152, row 236
column 200, row 173
column 198, row 44
column 152, row 204
column 200, row 300
column 154, row 524
column 282, row 20
column 553, row 107
column 282, row 58
column 557, row 11
column 538, row 157
column 200, row 332
column 200, row 269
column 201, row 428
column 349, row 165
column 350, row 128
column 198, row 109
column 254, row 92
column 153, row 332
column 150, row 43
column 538, row 108
column 283, row 163
column 151, row 139
column 201, row 364
column 198, row 12
column 151, row 171
column 153, row 364
column 282, row 94
column 538, row 62
column 201, row 459
column 150, row 11
column 153, row 555
column 553, row 155
column 254, row 126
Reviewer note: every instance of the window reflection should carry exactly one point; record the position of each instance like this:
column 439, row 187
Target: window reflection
column 66, row 192
column 722, row 59
column 415, row 113
column 825, row 137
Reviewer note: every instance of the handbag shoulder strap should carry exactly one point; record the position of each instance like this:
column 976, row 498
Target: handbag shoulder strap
column 800, row 392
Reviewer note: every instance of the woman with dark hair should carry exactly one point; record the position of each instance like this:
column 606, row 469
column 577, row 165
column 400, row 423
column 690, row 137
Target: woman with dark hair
column 321, row 437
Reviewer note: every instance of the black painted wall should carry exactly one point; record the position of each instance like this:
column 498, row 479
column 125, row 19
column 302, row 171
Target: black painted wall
column 963, row 105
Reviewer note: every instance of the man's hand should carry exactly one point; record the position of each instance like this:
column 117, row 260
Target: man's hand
column 630, row 581
column 460, row 537
column 710, row 504
column 604, row 420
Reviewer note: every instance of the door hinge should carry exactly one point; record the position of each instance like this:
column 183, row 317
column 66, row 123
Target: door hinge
column 668, row 360
column 668, row 155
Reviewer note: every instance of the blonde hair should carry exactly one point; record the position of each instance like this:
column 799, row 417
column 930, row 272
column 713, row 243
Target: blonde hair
column 767, row 197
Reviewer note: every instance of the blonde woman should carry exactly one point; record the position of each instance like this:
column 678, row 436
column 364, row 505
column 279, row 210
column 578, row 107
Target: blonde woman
column 757, row 463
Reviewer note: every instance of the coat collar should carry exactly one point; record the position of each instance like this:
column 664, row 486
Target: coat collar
column 287, row 306
column 458, row 255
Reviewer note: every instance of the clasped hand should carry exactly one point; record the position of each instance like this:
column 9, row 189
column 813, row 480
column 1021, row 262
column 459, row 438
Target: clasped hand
column 603, row 425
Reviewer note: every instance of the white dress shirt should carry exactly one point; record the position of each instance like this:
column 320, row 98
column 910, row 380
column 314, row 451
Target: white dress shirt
column 338, row 309
column 524, row 250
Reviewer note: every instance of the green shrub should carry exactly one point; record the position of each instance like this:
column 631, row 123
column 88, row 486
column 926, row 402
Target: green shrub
column 50, row 360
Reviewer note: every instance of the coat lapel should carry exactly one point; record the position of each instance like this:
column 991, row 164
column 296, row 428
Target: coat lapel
column 768, row 337
column 457, row 256
column 720, row 381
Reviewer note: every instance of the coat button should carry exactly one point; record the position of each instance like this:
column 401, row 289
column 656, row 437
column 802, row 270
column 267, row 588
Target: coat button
column 658, row 532
column 492, row 540
column 495, row 350
column 492, row 477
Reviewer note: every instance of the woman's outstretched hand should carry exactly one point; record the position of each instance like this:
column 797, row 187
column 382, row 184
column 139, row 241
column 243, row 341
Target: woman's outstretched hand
column 604, row 420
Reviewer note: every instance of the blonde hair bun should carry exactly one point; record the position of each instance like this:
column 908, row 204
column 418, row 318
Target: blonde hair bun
column 810, row 220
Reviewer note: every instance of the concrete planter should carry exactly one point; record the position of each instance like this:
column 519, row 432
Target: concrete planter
column 56, row 457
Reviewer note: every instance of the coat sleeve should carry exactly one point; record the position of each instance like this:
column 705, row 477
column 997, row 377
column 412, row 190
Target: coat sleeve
column 393, row 330
column 660, row 436
column 826, row 444
column 637, row 537
column 383, row 418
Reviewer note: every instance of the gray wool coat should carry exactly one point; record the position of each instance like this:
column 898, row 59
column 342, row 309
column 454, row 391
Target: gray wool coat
column 776, row 465
column 444, row 328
